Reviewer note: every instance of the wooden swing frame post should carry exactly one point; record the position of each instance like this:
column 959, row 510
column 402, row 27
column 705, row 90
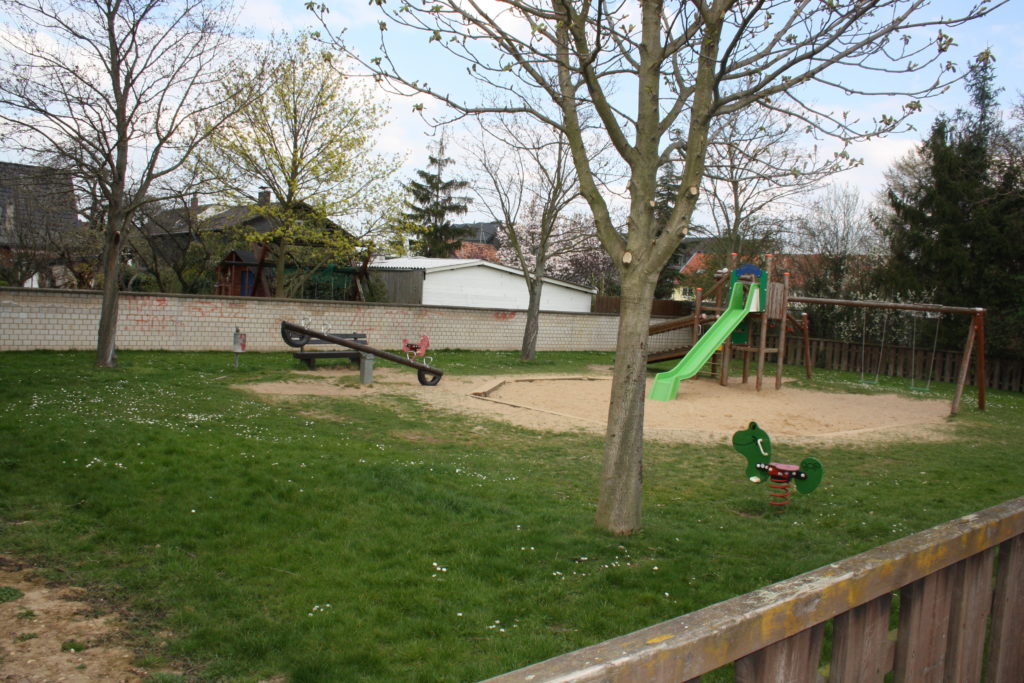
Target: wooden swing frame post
column 805, row 326
column 780, row 356
column 762, row 340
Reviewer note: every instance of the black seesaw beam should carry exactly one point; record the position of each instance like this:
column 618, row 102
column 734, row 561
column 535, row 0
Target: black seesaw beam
column 423, row 369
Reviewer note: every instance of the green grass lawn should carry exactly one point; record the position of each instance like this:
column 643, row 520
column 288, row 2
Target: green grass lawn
column 340, row 540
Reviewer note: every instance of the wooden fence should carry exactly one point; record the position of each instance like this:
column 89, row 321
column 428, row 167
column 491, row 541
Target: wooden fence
column 903, row 361
column 960, row 615
column 659, row 307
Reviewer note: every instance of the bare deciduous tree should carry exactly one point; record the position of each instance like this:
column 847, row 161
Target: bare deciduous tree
column 644, row 69
column 526, row 181
column 841, row 248
column 755, row 165
column 836, row 224
column 115, row 91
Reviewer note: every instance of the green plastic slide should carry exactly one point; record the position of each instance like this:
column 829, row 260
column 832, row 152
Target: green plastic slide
column 666, row 384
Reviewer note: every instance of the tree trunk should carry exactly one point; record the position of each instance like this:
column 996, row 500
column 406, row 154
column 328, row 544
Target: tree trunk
column 621, row 497
column 108, row 309
column 529, row 350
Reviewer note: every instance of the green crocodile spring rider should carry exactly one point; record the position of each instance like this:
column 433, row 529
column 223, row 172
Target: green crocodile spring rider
column 753, row 443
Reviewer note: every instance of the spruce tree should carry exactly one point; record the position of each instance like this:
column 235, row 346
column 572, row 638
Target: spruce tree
column 954, row 227
column 665, row 202
column 434, row 200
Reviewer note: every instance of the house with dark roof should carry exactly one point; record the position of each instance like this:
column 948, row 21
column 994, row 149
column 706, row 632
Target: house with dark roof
column 37, row 208
column 242, row 272
column 182, row 225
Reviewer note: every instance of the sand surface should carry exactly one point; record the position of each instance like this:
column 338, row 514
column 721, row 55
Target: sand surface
column 704, row 411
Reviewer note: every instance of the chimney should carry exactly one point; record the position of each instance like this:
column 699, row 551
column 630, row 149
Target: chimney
column 195, row 202
column 264, row 196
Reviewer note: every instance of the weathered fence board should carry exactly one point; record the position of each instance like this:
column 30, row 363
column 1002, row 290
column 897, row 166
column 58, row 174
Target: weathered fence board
column 1006, row 657
column 792, row 659
column 924, row 626
column 861, row 649
column 969, row 610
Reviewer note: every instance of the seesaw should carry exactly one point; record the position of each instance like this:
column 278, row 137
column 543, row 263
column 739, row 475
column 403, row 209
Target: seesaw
column 293, row 336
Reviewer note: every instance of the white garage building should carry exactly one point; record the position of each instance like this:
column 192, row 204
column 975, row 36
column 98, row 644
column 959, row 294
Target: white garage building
column 473, row 283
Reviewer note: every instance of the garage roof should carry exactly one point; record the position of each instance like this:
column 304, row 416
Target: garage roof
column 433, row 265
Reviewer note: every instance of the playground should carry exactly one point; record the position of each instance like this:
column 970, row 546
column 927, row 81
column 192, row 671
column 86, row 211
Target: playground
column 704, row 412
column 742, row 319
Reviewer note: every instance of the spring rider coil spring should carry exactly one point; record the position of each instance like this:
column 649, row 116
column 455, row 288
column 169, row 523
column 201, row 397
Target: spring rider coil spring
column 779, row 477
column 755, row 445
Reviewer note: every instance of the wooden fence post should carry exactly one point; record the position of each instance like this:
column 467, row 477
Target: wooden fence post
column 861, row 650
column 924, row 629
column 1006, row 656
column 792, row 659
column 971, row 605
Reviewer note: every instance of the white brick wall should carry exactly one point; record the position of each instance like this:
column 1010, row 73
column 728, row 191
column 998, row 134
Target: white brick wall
column 67, row 319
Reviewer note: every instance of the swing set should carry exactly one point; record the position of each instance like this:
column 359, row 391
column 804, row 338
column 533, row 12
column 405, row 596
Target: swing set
column 914, row 383
column 974, row 344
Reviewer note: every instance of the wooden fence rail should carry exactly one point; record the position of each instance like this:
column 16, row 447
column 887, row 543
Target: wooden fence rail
column 903, row 361
column 960, row 617
column 659, row 307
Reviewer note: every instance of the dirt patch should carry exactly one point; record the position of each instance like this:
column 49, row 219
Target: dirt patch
column 40, row 632
column 703, row 412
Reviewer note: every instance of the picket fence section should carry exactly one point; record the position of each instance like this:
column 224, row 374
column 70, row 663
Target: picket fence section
column 906, row 362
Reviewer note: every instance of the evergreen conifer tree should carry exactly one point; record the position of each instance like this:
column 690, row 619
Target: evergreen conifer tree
column 665, row 202
column 434, row 200
column 954, row 228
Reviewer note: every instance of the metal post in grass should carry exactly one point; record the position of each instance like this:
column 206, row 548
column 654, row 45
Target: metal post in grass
column 366, row 368
column 238, row 344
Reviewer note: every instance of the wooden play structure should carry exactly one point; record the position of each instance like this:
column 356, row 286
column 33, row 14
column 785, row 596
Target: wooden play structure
column 746, row 303
column 746, row 312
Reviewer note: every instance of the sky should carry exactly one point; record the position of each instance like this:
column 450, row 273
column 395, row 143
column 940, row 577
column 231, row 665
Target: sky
column 407, row 134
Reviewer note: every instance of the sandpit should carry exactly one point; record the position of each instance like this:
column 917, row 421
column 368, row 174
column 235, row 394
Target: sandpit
column 703, row 412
